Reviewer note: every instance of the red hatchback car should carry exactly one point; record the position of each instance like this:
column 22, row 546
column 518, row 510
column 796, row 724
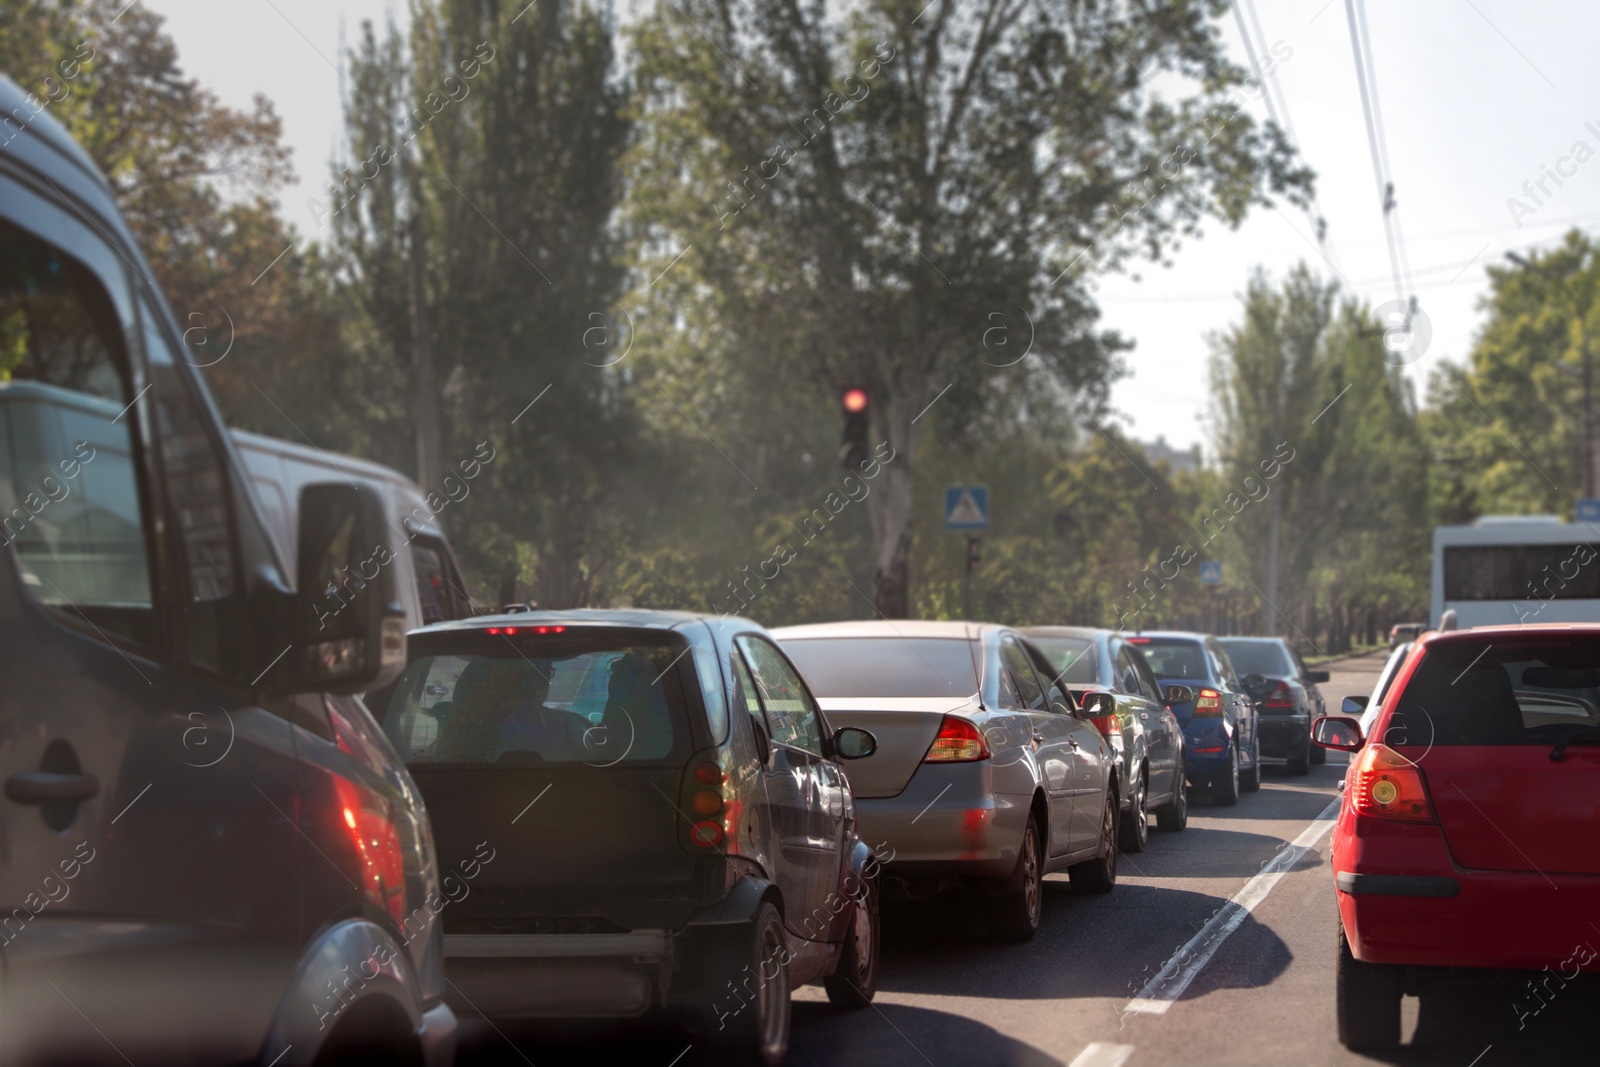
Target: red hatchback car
column 1469, row 836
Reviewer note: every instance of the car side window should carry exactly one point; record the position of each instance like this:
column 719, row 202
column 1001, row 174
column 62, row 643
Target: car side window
column 1030, row 693
column 1147, row 679
column 794, row 716
column 1057, row 698
column 1223, row 665
column 1128, row 680
column 746, row 692
column 71, row 508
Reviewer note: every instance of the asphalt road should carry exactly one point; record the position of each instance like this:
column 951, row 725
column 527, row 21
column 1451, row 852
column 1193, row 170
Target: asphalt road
column 1217, row 947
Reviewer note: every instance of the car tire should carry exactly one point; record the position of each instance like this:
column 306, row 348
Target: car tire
column 1250, row 781
column 1301, row 764
column 1014, row 908
column 1173, row 816
column 1367, row 1002
column 1225, row 786
column 756, row 1032
column 1319, row 755
column 1134, row 832
column 1099, row 875
column 854, row 981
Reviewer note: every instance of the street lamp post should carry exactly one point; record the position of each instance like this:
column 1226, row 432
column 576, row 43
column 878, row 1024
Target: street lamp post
column 1586, row 464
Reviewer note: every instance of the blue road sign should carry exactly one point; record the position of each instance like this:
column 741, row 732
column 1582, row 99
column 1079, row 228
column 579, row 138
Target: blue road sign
column 966, row 507
column 1588, row 509
column 1210, row 572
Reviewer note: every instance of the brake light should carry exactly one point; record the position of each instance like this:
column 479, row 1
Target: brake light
column 715, row 819
column 959, row 741
column 1389, row 786
column 1280, row 699
column 1208, row 702
column 494, row 629
column 550, row 629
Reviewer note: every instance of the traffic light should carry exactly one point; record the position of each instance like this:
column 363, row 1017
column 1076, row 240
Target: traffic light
column 856, row 407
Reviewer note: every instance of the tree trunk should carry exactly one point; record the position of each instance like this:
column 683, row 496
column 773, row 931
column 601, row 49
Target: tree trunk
column 426, row 395
column 890, row 510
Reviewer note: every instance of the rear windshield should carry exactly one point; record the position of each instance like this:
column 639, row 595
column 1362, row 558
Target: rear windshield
column 885, row 666
column 1500, row 693
column 1171, row 657
column 568, row 699
column 1266, row 658
column 1072, row 657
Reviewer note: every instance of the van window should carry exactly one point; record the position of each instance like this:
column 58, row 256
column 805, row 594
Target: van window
column 596, row 699
column 72, row 512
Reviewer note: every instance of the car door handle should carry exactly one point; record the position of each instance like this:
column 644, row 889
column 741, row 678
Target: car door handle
column 1073, row 741
column 42, row 787
column 1038, row 739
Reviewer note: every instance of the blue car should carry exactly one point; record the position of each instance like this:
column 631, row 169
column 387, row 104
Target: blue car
column 1221, row 736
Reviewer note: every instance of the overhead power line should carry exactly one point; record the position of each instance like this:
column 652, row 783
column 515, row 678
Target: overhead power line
column 1367, row 83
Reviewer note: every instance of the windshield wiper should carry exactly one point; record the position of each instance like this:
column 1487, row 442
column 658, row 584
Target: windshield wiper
column 1580, row 737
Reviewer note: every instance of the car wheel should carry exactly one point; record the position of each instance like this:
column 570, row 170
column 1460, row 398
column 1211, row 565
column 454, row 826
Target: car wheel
column 1250, row 781
column 1225, row 786
column 1134, row 833
column 1367, row 1002
column 756, row 959
column 1301, row 764
column 1174, row 815
column 1319, row 755
column 855, row 980
column 1100, row 875
column 1014, row 910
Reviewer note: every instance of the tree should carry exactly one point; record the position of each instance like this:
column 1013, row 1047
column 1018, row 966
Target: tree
column 501, row 135
column 1507, row 427
column 855, row 197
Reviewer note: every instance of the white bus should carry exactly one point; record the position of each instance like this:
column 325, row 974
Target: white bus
column 1516, row 569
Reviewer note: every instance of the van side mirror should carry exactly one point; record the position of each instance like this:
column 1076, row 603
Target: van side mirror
column 349, row 631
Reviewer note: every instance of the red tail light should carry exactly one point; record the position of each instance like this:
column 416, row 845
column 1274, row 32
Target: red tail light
column 1108, row 725
column 1386, row 785
column 705, row 801
column 959, row 741
column 1208, row 703
column 1281, row 699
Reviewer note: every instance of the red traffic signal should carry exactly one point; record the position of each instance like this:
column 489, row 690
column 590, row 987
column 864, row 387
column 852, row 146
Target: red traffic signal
column 854, row 400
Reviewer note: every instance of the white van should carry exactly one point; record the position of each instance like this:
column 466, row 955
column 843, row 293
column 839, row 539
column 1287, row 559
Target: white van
column 427, row 578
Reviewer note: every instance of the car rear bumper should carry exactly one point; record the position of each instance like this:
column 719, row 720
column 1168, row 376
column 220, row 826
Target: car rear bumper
column 1284, row 736
column 946, row 822
column 1485, row 919
column 556, row 976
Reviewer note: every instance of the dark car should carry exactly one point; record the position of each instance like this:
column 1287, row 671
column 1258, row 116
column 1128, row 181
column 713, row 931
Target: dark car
column 1136, row 718
column 209, row 853
column 673, row 835
column 987, row 773
column 1402, row 633
column 1222, row 743
column 1288, row 698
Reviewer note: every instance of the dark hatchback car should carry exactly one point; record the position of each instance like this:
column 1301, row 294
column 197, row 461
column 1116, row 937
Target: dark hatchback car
column 671, row 834
column 207, row 846
column 1288, row 698
column 1222, row 742
column 1135, row 716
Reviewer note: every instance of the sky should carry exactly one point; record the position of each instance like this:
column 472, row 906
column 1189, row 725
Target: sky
column 1476, row 98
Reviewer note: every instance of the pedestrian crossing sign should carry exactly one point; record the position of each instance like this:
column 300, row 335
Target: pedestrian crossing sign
column 966, row 507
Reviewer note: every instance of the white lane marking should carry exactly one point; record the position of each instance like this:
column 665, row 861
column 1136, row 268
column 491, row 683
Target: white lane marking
column 1102, row 1054
column 1186, row 964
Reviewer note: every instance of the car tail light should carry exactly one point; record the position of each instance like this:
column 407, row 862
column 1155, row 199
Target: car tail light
column 959, row 741
column 1108, row 725
column 1208, row 703
column 706, row 803
column 1280, row 700
column 1389, row 786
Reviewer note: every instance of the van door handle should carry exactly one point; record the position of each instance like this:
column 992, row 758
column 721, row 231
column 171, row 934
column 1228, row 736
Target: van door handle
column 42, row 787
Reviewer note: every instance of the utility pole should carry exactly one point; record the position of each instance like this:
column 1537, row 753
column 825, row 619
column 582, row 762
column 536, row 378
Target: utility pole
column 427, row 393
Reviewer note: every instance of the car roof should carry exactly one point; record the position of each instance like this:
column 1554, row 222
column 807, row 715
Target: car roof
column 1255, row 640
column 1186, row 635
column 887, row 628
column 634, row 618
column 1513, row 631
column 1091, row 632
